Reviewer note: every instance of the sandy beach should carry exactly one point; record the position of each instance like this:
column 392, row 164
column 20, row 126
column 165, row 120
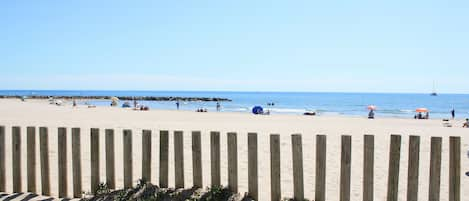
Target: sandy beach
column 37, row 113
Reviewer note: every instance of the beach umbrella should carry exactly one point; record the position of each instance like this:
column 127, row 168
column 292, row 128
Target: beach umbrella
column 421, row 110
column 257, row 110
column 371, row 107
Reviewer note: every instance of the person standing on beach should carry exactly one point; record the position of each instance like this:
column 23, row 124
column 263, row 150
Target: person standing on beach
column 177, row 104
column 452, row 113
column 218, row 107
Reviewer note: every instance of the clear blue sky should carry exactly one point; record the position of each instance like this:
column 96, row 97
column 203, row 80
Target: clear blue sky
column 264, row 45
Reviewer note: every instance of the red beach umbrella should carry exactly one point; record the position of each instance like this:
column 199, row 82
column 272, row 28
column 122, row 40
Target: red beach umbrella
column 421, row 110
column 371, row 107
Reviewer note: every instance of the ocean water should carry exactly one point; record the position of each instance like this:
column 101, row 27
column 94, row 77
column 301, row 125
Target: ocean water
column 326, row 104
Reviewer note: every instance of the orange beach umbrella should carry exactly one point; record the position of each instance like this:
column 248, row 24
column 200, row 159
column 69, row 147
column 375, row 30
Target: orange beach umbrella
column 421, row 110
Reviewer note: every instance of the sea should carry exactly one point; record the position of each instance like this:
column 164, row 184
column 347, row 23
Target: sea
column 295, row 103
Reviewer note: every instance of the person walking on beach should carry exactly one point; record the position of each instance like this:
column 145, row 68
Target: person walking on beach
column 218, row 107
column 177, row 104
column 466, row 124
column 452, row 113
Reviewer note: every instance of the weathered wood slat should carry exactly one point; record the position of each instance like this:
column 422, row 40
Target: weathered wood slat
column 368, row 167
column 16, row 159
column 110, row 159
column 253, row 166
column 44, row 153
column 128, row 167
column 215, row 158
column 345, row 167
column 454, row 168
column 197, row 159
column 164, row 143
column 2, row 160
column 297, row 156
column 435, row 169
column 179, row 159
column 94, row 159
column 62, row 158
column 76, row 163
column 393, row 174
column 413, row 168
column 31, row 158
column 146, row 155
column 232, row 143
column 321, row 156
column 275, row 187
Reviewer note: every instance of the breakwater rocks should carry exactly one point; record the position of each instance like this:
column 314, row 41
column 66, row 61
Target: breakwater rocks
column 145, row 98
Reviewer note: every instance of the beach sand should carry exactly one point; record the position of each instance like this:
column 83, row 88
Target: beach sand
column 39, row 113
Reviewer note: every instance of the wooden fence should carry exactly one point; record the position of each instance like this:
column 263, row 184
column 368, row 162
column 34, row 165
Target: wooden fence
column 232, row 149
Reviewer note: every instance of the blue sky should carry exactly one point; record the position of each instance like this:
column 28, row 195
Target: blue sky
column 347, row 46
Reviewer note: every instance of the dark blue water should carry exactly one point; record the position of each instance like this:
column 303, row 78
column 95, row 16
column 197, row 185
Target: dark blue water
column 351, row 104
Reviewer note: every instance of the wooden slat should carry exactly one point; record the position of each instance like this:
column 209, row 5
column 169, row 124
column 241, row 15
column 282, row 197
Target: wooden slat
column 128, row 158
column 297, row 156
column 146, row 155
column 232, row 143
column 435, row 169
column 16, row 159
column 164, row 143
column 368, row 167
column 413, row 168
column 44, row 154
column 76, row 163
column 275, row 187
column 94, row 159
column 215, row 158
column 110, row 159
column 179, row 159
column 346, row 160
column 393, row 174
column 31, row 158
column 197, row 159
column 321, row 147
column 454, row 168
column 2, row 160
column 62, row 159
column 253, row 166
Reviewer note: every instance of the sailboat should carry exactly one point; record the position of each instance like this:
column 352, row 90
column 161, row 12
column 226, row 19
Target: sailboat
column 434, row 90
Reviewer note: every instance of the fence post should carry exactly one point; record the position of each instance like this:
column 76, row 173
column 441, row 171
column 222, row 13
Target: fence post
column 297, row 151
column 2, row 159
column 394, row 161
column 62, row 159
column 31, row 158
column 275, row 187
column 178, row 159
column 197, row 159
column 164, row 143
column 252, row 166
column 16, row 158
column 321, row 146
column 413, row 168
column 454, row 168
column 435, row 169
column 44, row 152
column 368, row 167
column 76, row 162
column 128, row 158
column 146, row 155
column 215, row 158
column 110, row 159
column 346, row 160
column 94, row 159
column 232, row 162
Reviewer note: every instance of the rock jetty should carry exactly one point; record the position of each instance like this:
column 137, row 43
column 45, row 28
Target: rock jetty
column 145, row 98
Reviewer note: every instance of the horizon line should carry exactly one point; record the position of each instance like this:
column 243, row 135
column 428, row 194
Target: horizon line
column 232, row 91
